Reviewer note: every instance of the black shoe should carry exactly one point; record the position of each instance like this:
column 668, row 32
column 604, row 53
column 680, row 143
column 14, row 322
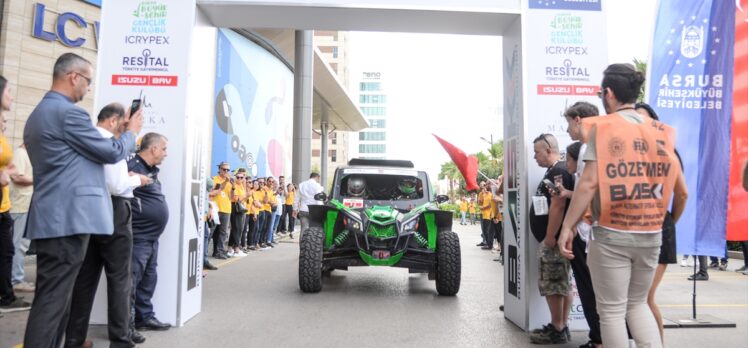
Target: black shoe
column 699, row 276
column 714, row 264
column 486, row 247
column 209, row 266
column 152, row 324
column 290, row 235
column 481, row 244
column 136, row 337
column 221, row 257
column 498, row 259
column 589, row 344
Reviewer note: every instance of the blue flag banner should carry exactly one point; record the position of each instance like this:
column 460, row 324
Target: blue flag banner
column 690, row 87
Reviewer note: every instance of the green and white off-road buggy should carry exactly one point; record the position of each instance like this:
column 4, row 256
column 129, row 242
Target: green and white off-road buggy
column 380, row 213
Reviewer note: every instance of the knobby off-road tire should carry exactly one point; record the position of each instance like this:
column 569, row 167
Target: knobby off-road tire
column 448, row 264
column 310, row 260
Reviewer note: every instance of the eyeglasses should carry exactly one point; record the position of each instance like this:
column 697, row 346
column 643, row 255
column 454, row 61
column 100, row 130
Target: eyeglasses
column 225, row 169
column 88, row 79
column 542, row 136
column 239, row 178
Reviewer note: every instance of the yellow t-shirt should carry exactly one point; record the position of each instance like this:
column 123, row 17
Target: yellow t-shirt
column 272, row 199
column 290, row 196
column 463, row 206
column 259, row 196
column 239, row 192
column 248, row 201
column 6, row 156
column 471, row 208
column 223, row 199
column 486, row 213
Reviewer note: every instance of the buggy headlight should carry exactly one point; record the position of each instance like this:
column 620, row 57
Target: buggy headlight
column 411, row 225
column 351, row 223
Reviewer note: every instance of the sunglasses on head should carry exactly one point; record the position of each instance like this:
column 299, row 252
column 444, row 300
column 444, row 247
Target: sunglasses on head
column 542, row 136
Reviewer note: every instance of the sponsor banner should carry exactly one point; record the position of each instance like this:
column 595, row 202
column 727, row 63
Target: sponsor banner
column 690, row 87
column 145, row 47
column 564, row 63
column 253, row 123
column 737, row 206
column 578, row 5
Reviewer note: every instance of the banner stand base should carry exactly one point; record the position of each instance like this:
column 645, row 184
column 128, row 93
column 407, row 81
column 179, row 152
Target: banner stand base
column 703, row 321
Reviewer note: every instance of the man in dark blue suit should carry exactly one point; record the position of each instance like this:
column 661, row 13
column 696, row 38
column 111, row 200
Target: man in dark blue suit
column 70, row 200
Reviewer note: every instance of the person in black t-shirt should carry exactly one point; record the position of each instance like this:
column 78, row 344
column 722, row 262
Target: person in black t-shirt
column 546, row 215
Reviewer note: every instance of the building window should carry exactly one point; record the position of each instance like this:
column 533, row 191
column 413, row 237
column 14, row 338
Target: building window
column 372, row 136
column 370, row 86
column 333, row 155
column 372, row 148
column 335, row 52
column 315, row 153
column 334, row 138
column 374, row 110
column 373, row 99
column 377, row 123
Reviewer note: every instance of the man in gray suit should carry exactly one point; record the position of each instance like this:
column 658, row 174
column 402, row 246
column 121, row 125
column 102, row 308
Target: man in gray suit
column 70, row 200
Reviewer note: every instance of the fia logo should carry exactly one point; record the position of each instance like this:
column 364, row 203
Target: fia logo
column 692, row 41
column 641, row 146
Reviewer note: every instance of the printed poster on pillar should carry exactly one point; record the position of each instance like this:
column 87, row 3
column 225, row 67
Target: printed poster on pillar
column 565, row 60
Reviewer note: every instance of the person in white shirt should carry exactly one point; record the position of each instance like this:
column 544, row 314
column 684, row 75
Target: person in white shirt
column 113, row 253
column 305, row 197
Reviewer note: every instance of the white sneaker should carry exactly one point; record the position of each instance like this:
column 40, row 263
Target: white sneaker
column 240, row 254
column 684, row 263
column 230, row 254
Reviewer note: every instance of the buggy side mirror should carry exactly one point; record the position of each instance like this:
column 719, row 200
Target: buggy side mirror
column 442, row 198
column 320, row 197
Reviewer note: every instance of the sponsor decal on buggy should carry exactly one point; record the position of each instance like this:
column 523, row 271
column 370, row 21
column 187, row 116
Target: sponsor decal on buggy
column 353, row 203
column 380, row 171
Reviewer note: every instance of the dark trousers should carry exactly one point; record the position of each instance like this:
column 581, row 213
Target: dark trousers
column 247, row 233
column 485, row 225
column 58, row 261
column 490, row 233
column 291, row 220
column 498, row 229
column 237, row 228
column 584, row 286
column 745, row 252
column 208, row 232
column 7, row 250
column 262, row 226
column 282, row 225
column 221, row 234
column 112, row 253
column 144, row 278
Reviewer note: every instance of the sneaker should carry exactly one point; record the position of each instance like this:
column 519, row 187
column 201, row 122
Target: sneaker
column 24, row 287
column 699, row 276
column 209, row 266
column 567, row 333
column 265, row 247
column 240, row 254
column 714, row 264
column 723, row 266
column 684, row 262
column 742, row 269
column 220, row 257
column 481, row 244
column 552, row 336
column 290, row 235
column 230, row 254
column 252, row 248
column 544, row 328
column 16, row 306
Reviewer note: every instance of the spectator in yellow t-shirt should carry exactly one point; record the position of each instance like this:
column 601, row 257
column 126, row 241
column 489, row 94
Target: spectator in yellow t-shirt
column 288, row 212
column 238, row 214
column 262, row 202
column 225, row 183
column 463, row 210
column 250, row 216
column 485, row 197
column 472, row 208
column 270, row 206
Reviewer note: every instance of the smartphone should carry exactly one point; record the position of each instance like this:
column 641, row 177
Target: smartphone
column 135, row 106
column 551, row 186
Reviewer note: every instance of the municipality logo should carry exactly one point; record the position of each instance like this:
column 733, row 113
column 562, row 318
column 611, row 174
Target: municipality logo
column 150, row 18
column 695, row 40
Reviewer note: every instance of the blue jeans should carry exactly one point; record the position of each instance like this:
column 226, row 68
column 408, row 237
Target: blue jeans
column 207, row 232
column 462, row 219
column 144, row 278
column 21, row 245
column 261, row 228
column 276, row 221
column 272, row 222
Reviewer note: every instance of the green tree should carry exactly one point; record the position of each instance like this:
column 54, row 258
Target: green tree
column 641, row 65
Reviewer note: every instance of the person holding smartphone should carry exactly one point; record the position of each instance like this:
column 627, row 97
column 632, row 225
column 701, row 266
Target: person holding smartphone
column 225, row 185
column 546, row 214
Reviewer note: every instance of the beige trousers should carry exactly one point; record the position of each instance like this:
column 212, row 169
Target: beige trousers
column 621, row 277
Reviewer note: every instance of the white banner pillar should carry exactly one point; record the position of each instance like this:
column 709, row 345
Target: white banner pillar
column 145, row 52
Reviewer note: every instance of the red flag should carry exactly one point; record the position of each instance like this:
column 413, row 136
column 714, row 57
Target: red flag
column 468, row 165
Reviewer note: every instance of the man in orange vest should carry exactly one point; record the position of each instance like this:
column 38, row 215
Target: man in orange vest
column 629, row 177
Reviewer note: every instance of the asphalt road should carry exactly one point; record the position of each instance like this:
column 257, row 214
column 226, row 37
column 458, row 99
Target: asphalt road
column 255, row 301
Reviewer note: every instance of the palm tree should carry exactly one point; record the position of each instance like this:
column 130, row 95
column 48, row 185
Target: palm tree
column 450, row 172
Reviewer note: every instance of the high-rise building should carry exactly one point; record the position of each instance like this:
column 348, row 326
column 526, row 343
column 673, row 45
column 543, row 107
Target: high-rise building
column 334, row 48
column 372, row 100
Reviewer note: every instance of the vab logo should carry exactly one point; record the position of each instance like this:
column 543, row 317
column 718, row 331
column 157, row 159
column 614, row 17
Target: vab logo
column 641, row 146
column 692, row 41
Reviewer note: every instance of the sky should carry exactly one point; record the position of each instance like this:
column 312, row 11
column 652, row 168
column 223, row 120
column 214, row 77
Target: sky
column 451, row 85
